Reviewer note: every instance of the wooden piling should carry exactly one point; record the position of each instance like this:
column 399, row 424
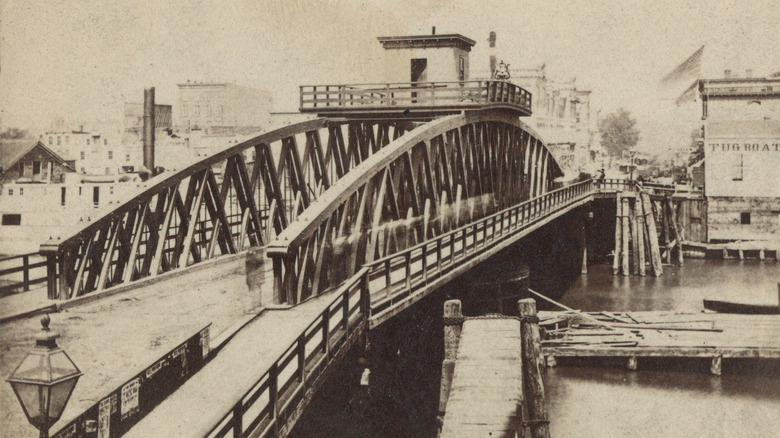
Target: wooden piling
column 626, row 238
column 675, row 230
column 652, row 235
column 640, row 234
column 584, row 243
column 634, row 240
column 665, row 215
column 453, row 324
column 618, row 235
column 532, row 376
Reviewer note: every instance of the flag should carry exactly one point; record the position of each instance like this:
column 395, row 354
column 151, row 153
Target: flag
column 690, row 69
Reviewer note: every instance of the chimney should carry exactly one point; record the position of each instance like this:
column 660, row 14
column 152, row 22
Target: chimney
column 433, row 30
column 149, row 129
column 727, row 74
column 749, row 73
column 492, row 41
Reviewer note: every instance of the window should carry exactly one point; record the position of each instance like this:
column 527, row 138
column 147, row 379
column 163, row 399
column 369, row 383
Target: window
column 744, row 218
column 59, row 140
column 462, row 68
column 21, row 191
column 105, row 142
column 83, row 170
column 96, row 195
column 51, row 140
column 62, row 195
column 110, row 155
column 21, row 169
column 127, row 157
column 108, row 170
column 87, row 142
column 36, row 167
column 737, row 167
column 10, row 192
column 12, row 219
column 67, row 139
column 81, row 154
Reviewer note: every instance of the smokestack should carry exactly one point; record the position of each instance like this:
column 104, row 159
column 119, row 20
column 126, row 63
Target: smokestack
column 492, row 41
column 433, row 30
column 149, row 129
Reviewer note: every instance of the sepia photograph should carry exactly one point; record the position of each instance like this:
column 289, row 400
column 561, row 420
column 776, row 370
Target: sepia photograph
column 352, row 218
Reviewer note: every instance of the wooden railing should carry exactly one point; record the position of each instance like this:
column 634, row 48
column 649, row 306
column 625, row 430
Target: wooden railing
column 463, row 94
column 19, row 272
column 398, row 276
column 273, row 403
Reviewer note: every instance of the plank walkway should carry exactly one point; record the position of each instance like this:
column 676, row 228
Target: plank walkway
column 487, row 387
column 208, row 395
column 661, row 334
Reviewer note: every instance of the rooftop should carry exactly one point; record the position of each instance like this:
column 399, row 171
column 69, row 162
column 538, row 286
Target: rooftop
column 427, row 41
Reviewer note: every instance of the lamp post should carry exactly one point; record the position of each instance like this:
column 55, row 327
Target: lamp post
column 44, row 380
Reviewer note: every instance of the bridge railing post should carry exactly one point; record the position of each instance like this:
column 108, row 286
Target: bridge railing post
column 238, row 417
column 51, row 275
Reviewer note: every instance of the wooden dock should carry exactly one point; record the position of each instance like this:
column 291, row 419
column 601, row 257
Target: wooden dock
column 486, row 395
column 632, row 335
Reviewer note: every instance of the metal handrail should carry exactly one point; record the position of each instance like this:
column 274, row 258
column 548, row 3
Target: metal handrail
column 308, row 362
column 502, row 224
column 414, row 94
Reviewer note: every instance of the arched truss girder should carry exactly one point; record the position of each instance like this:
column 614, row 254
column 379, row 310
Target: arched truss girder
column 241, row 196
column 443, row 174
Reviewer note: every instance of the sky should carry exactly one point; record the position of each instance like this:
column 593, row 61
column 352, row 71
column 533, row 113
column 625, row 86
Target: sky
column 80, row 60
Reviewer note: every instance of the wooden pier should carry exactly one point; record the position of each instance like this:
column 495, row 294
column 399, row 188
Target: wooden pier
column 633, row 335
column 491, row 381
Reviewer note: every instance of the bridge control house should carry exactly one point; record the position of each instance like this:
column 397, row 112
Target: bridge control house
column 742, row 157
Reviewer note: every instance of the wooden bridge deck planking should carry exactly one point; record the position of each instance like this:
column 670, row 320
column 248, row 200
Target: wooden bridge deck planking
column 662, row 334
column 205, row 398
column 487, row 386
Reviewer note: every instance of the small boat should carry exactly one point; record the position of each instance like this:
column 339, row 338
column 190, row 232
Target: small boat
column 745, row 308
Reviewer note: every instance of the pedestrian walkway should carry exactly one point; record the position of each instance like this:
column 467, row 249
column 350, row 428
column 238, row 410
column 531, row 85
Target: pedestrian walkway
column 114, row 337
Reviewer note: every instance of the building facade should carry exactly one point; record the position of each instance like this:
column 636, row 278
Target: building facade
column 741, row 139
column 223, row 108
column 30, row 161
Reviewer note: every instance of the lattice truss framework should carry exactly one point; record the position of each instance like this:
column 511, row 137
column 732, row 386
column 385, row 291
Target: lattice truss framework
column 442, row 175
column 242, row 196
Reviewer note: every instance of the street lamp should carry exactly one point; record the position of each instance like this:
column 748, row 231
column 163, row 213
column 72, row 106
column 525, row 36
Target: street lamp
column 44, row 381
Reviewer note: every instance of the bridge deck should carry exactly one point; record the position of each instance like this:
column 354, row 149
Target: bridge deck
column 487, row 387
column 205, row 398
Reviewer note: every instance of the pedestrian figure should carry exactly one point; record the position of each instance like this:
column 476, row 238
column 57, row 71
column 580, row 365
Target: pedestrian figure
column 254, row 279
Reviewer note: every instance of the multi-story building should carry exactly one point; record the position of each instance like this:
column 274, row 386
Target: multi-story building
column 92, row 153
column 223, row 108
column 741, row 139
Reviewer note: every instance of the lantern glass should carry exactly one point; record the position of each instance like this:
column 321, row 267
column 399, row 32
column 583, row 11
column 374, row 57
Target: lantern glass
column 30, row 396
column 43, row 382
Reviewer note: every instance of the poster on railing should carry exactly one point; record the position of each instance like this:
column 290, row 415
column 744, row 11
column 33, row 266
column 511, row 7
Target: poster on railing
column 125, row 406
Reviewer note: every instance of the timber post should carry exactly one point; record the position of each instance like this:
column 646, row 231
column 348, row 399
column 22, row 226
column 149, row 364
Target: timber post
column 652, row 237
column 640, row 233
column 584, row 244
column 626, row 237
column 618, row 234
column 532, row 376
column 453, row 325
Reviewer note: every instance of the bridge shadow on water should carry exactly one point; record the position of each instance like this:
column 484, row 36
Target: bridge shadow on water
column 404, row 355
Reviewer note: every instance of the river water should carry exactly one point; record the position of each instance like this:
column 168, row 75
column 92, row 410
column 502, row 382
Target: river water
column 679, row 399
column 596, row 399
